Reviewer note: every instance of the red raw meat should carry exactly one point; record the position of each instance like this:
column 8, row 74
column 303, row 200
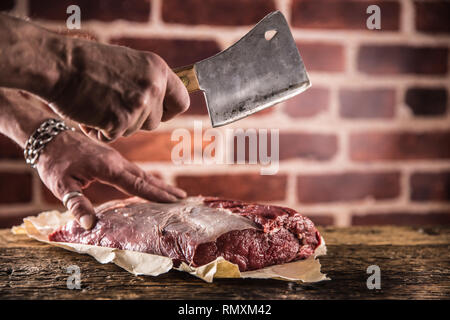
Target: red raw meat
column 198, row 230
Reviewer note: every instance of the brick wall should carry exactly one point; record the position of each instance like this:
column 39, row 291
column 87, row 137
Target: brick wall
column 369, row 143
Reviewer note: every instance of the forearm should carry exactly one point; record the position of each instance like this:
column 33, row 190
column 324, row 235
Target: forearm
column 20, row 116
column 31, row 58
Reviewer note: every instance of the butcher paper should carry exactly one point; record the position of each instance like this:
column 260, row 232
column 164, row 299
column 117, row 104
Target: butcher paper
column 139, row 263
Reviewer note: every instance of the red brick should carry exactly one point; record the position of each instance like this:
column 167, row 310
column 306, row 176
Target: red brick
column 6, row 5
column 319, row 147
column 198, row 105
column 367, row 103
column 266, row 111
column 146, row 146
column 320, row 220
column 176, row 52
column 15, row 187
column 216, row 12
column 308, row 104
column 399, row 59
column 404, row 218
column 349, row 186
column 332, row 14
column 9, row 149
column 307, row 146
column 10, row 220
column 249, row 187
column 427, row 101
column 48, row 196
column 103, row 10
column 371, row 146
column 433, row 16
column 430, row 186
column 319, row 56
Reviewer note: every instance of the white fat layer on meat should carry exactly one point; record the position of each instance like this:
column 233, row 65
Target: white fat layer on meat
column 190, row 216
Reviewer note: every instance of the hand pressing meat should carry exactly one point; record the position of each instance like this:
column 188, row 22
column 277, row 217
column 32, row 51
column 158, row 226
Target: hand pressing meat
column 111, row 91
column 73, row 161
column 70, row 161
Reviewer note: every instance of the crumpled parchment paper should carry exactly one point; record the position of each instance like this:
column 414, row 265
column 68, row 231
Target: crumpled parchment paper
column 138, row 263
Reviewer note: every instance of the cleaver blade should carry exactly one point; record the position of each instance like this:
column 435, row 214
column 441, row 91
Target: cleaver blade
column 261, row 69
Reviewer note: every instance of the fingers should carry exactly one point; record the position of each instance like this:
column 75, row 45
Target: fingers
column 161, row 184
column 155, row 108
column 141, row 119
column 129, row 178
column 164, row 99
column 95, row 134
column 176, row 99
column 82, row 209
column 80, row 206
column 140, row 187
column 136, row 171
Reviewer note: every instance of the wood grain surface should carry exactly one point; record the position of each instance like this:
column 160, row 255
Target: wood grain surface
column 414, row 263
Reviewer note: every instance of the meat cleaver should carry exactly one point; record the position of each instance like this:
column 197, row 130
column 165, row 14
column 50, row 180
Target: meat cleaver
column 261, row 69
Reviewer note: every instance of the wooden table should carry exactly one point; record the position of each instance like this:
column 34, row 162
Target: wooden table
column 414, row 264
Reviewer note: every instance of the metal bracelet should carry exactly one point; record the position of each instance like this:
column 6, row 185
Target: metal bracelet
column 39, row 139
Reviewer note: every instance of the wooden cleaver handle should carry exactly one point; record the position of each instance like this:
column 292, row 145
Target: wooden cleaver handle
column 188, row 76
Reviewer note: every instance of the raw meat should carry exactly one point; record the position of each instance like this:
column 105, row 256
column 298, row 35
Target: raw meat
column 197, row 230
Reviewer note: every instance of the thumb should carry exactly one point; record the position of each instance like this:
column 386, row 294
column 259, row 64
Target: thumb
column 82, row 209
column 80, row 206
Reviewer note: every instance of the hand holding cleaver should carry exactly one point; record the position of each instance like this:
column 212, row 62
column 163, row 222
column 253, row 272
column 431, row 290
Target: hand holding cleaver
column 261, row 69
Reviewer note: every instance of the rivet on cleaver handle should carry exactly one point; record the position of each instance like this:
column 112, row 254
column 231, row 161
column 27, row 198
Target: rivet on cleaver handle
column 188, row 76
column 251, row 75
